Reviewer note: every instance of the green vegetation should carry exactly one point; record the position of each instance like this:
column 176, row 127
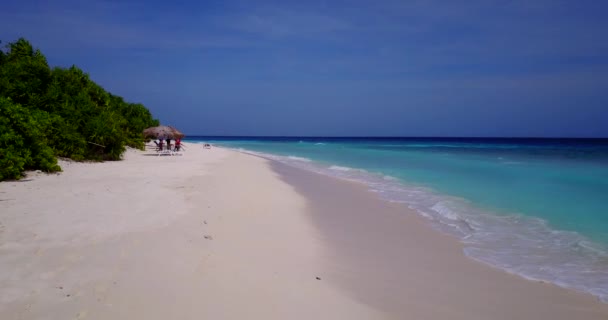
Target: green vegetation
column 48, row 113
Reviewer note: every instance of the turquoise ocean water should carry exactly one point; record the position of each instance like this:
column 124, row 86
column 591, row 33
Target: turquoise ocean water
column 534, row 207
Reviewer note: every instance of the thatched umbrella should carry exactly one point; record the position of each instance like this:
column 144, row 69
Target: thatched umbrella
column 163, row 132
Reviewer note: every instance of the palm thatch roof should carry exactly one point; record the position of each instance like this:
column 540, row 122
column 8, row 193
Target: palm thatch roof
column 162, row 132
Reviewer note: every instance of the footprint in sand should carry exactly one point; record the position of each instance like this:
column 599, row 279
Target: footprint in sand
column 101, row 292
column 81, row 315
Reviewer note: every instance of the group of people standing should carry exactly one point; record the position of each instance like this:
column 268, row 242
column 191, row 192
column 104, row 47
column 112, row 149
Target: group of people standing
column 161, row 144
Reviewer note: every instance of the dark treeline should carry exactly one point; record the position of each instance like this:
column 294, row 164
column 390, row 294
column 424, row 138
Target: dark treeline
column 47, row 113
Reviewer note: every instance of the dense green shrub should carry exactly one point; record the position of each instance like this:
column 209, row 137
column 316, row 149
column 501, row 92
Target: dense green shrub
column 24, row 75
column 22, row 142
column 13, row 154
column 46, row 113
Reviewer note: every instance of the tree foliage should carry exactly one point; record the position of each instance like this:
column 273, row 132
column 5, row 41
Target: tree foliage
column 48, row 113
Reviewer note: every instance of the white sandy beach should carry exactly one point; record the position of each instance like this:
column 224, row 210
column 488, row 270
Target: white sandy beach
column 216, row 234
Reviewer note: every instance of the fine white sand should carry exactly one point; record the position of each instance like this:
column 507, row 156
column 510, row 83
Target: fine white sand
column 215, row 234
column 212, row 234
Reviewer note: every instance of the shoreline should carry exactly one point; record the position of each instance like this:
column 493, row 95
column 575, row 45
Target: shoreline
column 397, row 248
column 223, row 234
column 519, row 244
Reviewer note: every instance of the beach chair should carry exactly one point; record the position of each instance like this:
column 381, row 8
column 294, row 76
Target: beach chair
column 165, row 152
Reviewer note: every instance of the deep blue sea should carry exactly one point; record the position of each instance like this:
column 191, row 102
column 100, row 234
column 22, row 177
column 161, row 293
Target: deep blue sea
column 534, row 207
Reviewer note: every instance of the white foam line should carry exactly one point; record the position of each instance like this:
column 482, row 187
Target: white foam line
column 518, row 244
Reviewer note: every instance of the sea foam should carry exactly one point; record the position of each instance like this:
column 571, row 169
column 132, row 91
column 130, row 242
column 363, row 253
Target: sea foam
column 294, row 158
column 339, row 168
column 518, row 244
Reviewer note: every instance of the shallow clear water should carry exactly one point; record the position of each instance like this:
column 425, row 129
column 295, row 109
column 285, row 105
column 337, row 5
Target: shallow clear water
column 533, row 207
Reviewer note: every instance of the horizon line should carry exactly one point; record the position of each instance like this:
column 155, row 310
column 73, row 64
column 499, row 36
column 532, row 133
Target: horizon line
column 393, row 137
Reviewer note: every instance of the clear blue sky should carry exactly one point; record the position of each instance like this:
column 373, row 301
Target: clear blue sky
column 390, row 68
